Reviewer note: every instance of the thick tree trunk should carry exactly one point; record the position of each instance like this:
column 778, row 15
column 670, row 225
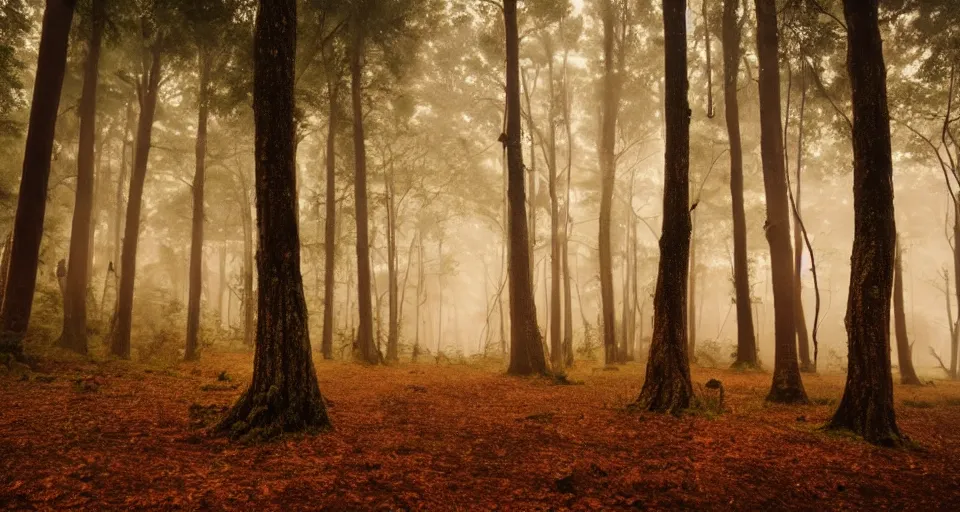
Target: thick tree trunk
column 608, row 126
column 667, row 387
column 526, row 348
column 867, row 404
column 74, row 335
column 746, row 341
column 283, row 396
column 908, row 375
column 330, row 223
column 787, row 386
column 32, row 198
column 196, row 234
column 149, row 85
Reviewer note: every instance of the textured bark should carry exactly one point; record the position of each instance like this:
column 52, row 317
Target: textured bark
column 908, row 375
column 283, row 396
column 149, row 89
column 330, row 223
column 867, row 404
column 32, row 199
column 366, row 350
column 608, row 126
column 746, row 341
column 667, row 387
column 74, row 334
column 526, row 348
column 787, row 386
column 196, row 233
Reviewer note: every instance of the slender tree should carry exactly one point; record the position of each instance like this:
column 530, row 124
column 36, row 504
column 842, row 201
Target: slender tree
column 526, row 347
column 330, row 227
column 908, row 375
column 32, row 199
column 667, row 387
column 787, row 386
column 366, row 349
column 867, row 404
column 74, row 335
column 608, row 169
column 284, row 395
column 148, row 89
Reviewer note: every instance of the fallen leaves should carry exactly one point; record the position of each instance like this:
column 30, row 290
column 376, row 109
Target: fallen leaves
column 453, row 437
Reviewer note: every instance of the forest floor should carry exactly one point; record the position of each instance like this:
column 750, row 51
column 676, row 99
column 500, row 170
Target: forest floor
column 457, row 437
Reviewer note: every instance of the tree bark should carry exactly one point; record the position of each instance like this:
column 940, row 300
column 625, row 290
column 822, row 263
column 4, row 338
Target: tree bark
column 800, row 318
column 556, row 342
column 5, row 263
column 867, row 404
column 284, row 395
column 908, row 375
column 608, row 127
column 249, row 306
column 787, row 386
column 74, row 335
column 366, row 349
column 526, row 348
column 692, row 292
column 196, row 234
column 667, row 387
column 567, row 300
column 393, row 320
column 149, row 89
column 330, row 223
column 32, row 198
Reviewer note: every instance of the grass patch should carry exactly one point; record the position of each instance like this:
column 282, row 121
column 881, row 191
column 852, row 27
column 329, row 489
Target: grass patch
column 917, row 404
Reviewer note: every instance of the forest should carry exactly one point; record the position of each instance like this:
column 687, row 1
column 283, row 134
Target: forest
column 480, row 254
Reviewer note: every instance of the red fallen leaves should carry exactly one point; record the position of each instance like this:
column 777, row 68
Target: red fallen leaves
column 456, row 437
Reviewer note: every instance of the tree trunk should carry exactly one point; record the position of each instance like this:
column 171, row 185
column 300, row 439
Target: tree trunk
column 330, row 223
column 803, row 336
column 556, row 343
column 867, row 404
column 149, row 86
column 567, row 298
column 393, row 326
column 196, row 234
column 526, row 348
column 692, row 292
column 955, row 339
column 249, row 311
column 366, row 350
column 787, row 386
column 667, row 387
column 908, row 375
column 283, row 396
column 32, row 198
column 608, row 126
column 5, row 263
column 74, row 335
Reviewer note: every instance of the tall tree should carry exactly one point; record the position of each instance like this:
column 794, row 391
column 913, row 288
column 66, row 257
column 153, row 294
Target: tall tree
column 284, row 395
column 74, row 335
column 610, row 104
column 148, row 90
column 867, row 404
column 787, row 386
column 526, row 347
column 32, row 200
column 908, row 375
column 667, row 387
column 746, row 341
column 366, row 349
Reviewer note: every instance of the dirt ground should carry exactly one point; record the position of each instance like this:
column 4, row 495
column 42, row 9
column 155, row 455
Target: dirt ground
column 457, row 437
